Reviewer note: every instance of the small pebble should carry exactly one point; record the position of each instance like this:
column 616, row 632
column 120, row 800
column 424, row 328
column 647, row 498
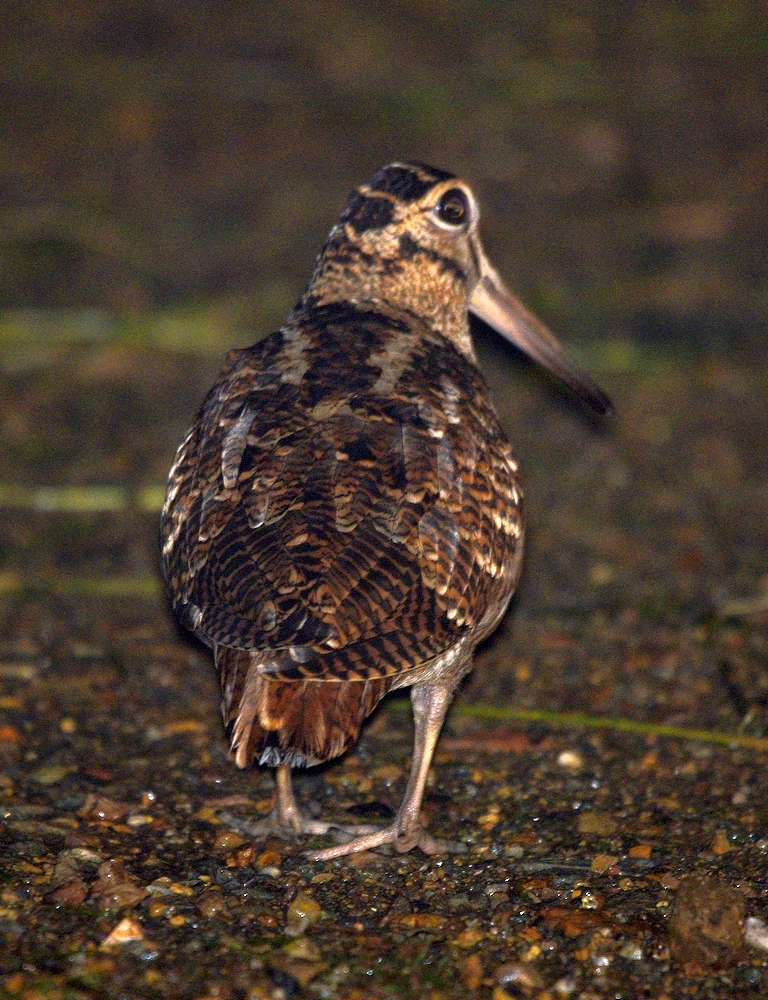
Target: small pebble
column 157, row 908
column 494, row 888
column 100, row 808
column 640, row 851
column 19, row 671
column 756, row 933
column 228, row 840
column 570, row 759
column 50, row 774
column 741, row 796
column 85, row 650
column 161, row 886
column 303, row 948
column 71, row 893
column 86, row 855
column 138, row 819
column 179, row 889
column 269, row 858
column 418, row 921
column 721, row 843
column 602, row 862
column 707, row 922
column 601, row 573
column 243, row 858
column 469, row 938
column 302, row 911
column 596, row 822
column 565, row 987
column 127, row 930
column 632, row 951
column 296, row 975
column 521, row 975
column 115, row 888
column 472, row 972
column 591, row 900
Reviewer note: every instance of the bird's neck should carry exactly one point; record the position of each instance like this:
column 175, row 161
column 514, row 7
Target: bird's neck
column 418, row 285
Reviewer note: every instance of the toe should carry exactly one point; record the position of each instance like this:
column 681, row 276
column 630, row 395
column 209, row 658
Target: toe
column 365, row 843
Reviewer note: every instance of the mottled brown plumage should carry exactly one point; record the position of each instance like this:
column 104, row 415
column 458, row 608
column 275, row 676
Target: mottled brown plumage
column 344, row 516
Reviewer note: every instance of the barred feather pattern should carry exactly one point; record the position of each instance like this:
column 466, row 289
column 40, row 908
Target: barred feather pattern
column 298, row 723
column 344, row 511
column 345, row 508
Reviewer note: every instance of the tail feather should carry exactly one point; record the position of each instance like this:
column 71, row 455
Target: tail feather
column 300, row 722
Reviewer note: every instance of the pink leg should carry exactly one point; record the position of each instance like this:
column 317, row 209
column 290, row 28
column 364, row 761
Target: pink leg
column 285, row 819
column 430, row 704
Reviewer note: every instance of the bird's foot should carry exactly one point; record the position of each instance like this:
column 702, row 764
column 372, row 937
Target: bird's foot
column 289, row 828
column 276, row 825
column 402, row 839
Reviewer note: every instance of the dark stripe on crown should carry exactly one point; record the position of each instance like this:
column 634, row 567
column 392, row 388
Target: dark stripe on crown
column 364, row 213
column 407, row 182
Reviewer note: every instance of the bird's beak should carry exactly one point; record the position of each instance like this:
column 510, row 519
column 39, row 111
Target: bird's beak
column 492, row 302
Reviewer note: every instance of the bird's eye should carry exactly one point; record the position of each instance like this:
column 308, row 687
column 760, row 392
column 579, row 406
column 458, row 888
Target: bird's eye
column 453, row 207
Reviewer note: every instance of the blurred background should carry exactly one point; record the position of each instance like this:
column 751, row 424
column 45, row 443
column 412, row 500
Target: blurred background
column 158, row 154
column 168, row 172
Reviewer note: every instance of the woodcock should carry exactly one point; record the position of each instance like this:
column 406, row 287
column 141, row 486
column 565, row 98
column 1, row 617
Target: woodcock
column 344, row 515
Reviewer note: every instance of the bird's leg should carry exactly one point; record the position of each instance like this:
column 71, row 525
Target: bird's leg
column 285, row 819
column 286, row 812
column 430, row 703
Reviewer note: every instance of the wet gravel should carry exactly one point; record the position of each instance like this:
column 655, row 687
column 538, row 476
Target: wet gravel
column 598, row 862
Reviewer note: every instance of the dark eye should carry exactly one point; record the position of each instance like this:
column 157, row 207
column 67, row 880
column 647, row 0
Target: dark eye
column 453, row 207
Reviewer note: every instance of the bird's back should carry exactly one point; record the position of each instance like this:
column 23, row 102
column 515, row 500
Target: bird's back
column 346, row 503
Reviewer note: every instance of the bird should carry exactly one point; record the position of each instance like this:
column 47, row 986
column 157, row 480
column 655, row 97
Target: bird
column 344, row 517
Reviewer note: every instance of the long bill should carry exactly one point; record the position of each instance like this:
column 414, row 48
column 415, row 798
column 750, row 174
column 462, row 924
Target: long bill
column 492, row 302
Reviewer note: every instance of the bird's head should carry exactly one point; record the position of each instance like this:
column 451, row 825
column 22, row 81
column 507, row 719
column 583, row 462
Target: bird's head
column 408, row 238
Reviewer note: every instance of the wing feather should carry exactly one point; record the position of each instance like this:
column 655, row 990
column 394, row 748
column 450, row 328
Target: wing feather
column 366, row 531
